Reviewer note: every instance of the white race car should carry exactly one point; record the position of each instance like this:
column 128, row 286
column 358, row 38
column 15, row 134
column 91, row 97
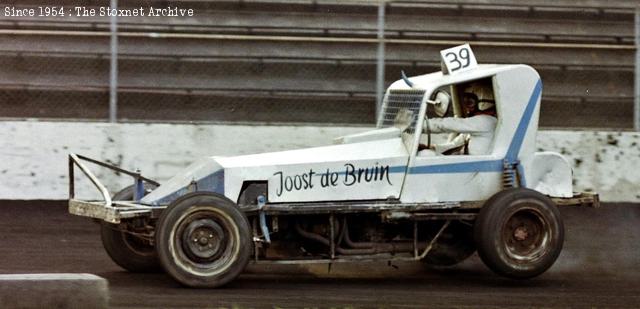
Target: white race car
column 372, row 196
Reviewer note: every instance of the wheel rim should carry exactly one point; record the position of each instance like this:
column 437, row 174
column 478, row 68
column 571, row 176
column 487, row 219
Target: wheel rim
column 526, row 235
column 204, row 241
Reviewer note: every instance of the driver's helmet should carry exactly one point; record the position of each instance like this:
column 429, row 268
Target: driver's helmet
column 481, row 94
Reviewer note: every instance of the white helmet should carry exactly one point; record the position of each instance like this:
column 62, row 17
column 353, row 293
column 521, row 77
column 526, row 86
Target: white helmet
column 482, row 94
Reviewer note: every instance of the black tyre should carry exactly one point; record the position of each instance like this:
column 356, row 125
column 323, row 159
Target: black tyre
column 125, row 249
column 455, row 245
column 519, row 233
column 203, row 240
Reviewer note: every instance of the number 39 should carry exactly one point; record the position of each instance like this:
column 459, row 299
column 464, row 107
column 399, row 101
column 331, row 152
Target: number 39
column 453, row 58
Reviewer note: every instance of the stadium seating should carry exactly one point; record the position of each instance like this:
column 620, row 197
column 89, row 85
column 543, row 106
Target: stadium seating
column 310, row 61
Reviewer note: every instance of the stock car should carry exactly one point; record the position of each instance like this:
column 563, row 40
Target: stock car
column 370, row 196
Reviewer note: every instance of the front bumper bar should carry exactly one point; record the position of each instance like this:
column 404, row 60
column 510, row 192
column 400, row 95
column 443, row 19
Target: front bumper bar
column 106, row 210
column 112, row 214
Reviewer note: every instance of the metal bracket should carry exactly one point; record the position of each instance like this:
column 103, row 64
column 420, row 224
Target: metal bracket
column 432, row 242
column 263, row 218
column 193, row 186
column 138, row 185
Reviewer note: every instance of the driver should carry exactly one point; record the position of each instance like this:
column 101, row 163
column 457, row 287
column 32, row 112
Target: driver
column 475, row 131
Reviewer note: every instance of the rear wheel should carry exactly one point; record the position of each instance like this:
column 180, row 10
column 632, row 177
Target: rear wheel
column 130, row 251
column 203, row 240
column 519, row 233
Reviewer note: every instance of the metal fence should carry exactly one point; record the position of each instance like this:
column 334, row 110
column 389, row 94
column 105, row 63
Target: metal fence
column 321, row 62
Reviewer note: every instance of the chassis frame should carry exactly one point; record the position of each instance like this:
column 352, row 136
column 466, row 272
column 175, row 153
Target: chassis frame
column 117, row 212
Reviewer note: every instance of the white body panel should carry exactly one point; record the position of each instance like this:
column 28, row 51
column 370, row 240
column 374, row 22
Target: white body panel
column 205, row 172
column 378, row 165
column 444, row 179
column 550, row 174
column 368, row 170
column 367, row 136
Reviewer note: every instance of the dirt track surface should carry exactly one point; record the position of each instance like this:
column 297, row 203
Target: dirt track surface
column 599, row 267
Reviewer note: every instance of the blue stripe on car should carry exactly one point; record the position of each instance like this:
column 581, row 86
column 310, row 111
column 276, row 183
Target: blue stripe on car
column 465, row 167
column 518, row 138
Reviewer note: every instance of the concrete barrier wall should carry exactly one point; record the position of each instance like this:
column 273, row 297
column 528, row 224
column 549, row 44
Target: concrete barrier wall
column 33, row 155
column 53, row 291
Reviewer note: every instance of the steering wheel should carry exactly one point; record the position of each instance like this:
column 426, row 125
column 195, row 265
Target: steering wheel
column 426, row 122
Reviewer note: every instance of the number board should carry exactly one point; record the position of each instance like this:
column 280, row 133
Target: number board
column 458, row 59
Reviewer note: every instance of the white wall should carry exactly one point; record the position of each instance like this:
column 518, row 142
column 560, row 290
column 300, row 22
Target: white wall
column 33, row 155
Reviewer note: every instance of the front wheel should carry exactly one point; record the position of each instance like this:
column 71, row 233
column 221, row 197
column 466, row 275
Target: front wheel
column 519, row 233
column 203, row 240
column 127, row 249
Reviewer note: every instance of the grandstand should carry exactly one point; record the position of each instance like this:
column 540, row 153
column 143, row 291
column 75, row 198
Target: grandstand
column 310, row 61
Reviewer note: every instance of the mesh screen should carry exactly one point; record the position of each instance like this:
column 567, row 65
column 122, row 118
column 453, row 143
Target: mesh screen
column 398, row 102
